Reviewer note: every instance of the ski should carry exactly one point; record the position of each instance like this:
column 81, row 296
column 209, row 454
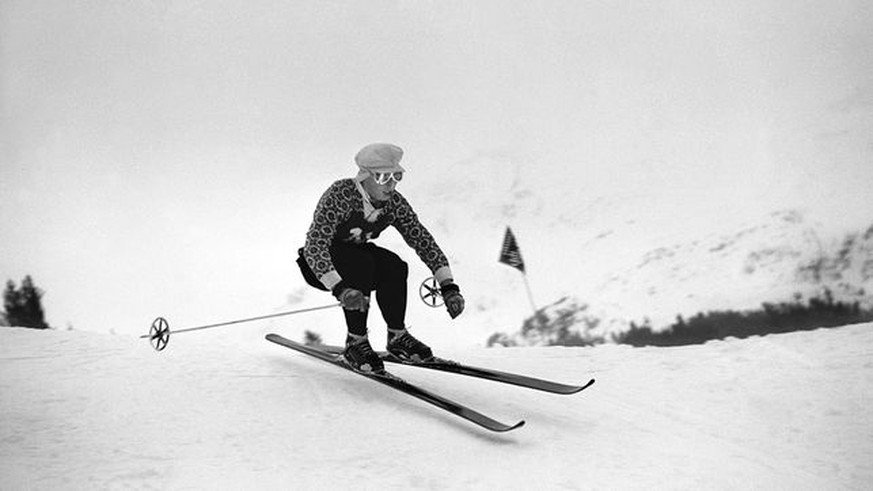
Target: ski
column 483, row 373
column 401, row 385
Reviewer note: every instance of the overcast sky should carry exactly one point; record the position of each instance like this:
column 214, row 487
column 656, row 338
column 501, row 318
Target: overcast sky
column 165, row 156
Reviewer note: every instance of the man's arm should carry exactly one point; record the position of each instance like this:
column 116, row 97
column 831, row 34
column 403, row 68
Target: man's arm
column 328, row 213
column 420, row 239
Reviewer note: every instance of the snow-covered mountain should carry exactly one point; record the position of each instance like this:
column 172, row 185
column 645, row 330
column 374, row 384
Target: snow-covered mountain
column 81, row 410
column 780, row 256
column 780, row 260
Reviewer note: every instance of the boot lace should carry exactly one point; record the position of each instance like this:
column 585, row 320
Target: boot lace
column 363, row 355
column 411, row 347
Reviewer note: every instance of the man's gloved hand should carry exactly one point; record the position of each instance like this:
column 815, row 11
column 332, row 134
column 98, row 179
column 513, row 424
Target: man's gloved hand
column 351, row 299
column 453, row 298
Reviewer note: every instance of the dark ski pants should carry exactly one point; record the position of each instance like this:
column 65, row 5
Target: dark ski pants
column 368, row 267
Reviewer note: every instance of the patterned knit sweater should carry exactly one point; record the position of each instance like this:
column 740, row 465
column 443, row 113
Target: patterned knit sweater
column 344, row 214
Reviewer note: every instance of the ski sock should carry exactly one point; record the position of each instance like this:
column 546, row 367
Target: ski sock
column 356, row 321
column 352, row 338
column 393, row 333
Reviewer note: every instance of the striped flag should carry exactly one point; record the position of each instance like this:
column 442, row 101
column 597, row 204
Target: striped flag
column 510, row 253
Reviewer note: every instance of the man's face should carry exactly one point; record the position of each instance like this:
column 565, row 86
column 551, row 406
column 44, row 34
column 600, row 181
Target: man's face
column 381, row 192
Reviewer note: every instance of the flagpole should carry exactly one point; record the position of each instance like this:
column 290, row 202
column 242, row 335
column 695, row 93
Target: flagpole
column 529, row 294
column 511, row 255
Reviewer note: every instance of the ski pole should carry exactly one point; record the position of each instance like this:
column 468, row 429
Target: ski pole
column 159, row 333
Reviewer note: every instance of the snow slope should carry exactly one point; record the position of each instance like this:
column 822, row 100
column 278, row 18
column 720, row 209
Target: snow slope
column 91, row 411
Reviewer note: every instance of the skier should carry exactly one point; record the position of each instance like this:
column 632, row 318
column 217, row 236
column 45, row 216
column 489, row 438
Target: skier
column 339, row 257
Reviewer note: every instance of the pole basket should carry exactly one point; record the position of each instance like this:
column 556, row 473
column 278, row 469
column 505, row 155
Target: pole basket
column 159, row 334
column 430, row 294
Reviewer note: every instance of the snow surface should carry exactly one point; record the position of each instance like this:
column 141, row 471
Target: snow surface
column 94, row 411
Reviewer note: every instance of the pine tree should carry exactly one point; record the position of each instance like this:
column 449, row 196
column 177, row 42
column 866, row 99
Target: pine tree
column 11, row 302
column 24, row 305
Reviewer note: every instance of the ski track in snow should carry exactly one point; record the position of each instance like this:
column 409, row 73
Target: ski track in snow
column 89, row 411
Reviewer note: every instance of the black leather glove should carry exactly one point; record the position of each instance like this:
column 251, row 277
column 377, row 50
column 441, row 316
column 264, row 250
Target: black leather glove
column 452, row 297
column 350, row 298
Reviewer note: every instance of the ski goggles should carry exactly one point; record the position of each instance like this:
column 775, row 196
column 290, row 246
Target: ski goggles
column 383, row 178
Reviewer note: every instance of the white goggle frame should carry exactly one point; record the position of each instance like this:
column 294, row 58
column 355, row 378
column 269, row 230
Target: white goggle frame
column 383, row 178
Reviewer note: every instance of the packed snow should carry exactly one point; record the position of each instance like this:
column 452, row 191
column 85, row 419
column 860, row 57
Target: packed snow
column 83, row 410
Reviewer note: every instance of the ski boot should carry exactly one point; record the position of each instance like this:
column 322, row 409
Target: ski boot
column 404, row 346
column 360, row 355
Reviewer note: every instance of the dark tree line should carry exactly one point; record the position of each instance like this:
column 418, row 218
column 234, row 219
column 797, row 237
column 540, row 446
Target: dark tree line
column 23, row 305
column 820, row 311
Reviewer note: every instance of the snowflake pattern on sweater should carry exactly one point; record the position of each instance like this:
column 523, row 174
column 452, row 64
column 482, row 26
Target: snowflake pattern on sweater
column 339, row 217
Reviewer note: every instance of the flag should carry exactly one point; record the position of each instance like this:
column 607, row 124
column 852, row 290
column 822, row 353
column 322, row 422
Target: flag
column 510, row 253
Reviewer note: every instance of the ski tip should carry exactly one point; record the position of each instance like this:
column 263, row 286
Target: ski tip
column 506, row 428
column 578, row 388
column 498, row 427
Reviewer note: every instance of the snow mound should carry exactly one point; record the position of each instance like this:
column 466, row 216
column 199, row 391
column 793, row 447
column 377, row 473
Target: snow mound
column 90, row 411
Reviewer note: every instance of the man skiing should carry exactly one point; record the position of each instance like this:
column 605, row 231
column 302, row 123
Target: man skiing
column 339, row 257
